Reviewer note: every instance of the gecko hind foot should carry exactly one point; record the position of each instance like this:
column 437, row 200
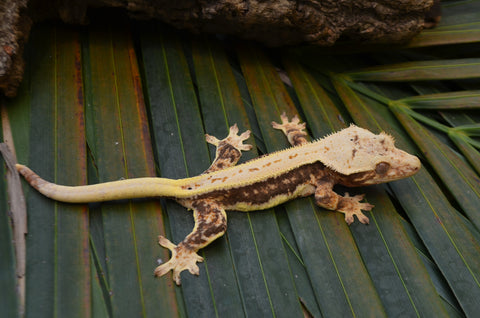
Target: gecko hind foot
column 182, row 259
column 232, row 139
column 353, row 206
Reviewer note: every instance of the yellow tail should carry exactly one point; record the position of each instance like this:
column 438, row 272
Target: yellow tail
column 108, row 191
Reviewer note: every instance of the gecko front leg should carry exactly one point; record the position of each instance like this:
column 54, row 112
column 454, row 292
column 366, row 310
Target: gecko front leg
column 210, row 223
column 229, row 150
column 294, row 130
column 350, row 206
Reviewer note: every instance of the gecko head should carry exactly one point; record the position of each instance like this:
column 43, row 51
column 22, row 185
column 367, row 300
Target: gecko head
column 363, row 158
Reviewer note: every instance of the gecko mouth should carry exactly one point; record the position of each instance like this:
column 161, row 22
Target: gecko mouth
column 404, row 173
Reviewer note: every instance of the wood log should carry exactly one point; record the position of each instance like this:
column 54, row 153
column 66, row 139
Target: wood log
column 271, row 22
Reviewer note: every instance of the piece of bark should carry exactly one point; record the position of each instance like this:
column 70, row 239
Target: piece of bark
column 14, row 29
column 288, row 22
column 271, row 22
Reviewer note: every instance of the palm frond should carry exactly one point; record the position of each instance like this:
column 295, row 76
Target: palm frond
column 123, row 99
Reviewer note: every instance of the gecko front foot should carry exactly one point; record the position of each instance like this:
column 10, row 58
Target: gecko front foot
column 182, row 259
column 229, row 150
column 287, row 125
column 292, row 129
column 352, row 206
column 232, row 139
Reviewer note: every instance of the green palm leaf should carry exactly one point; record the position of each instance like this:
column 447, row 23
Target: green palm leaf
column 119, row 100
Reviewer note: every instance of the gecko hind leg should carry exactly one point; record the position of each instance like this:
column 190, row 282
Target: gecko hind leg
column 210, row 224
column 229, row 150
column 294, row 130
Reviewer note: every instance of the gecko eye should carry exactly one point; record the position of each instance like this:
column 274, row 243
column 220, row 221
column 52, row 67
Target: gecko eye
column 382, row 168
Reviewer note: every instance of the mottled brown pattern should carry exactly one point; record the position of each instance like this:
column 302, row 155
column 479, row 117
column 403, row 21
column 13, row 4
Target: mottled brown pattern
column 324, row 195
column 298, row 139
column 344, row 204
column 226, row 156
column 353, row 180
column 296, row 136
column 262, row 192
column 210, row 223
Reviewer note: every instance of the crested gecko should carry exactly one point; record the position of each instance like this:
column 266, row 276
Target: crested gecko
column 351, row 157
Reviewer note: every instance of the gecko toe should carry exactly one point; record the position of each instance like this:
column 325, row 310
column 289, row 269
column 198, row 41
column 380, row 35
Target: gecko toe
column 366, row 206
column 233, row 129
column 363, row 219
column 162, row 269
column 276, row 125
column 212, row 139
column 194, row 270
column 349, row 218
column 295, row 120
column 163, row 241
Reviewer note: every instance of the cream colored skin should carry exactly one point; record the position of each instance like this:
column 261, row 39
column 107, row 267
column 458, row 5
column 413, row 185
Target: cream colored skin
column 352, row 157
